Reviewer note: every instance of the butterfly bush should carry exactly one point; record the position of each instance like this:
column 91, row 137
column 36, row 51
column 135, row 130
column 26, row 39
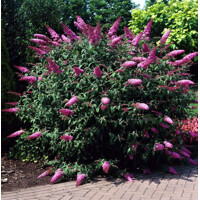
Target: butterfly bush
column 99, row 103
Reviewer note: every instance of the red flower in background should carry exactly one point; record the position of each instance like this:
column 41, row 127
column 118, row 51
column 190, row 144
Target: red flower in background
column 188, row 126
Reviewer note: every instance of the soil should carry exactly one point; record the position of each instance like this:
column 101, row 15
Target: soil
column 20, row 174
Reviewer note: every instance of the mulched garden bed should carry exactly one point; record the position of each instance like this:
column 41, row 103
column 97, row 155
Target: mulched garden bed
column 20, row 174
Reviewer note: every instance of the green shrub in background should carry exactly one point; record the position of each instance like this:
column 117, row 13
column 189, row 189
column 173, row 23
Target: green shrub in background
column 181, row 17
column 103, row 103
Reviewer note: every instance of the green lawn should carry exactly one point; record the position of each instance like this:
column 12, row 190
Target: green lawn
column 195, row 90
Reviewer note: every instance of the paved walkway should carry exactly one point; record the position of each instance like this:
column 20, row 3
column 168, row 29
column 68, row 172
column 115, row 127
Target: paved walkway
column 158, row 186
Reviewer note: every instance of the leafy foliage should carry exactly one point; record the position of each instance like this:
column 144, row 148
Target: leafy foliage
column 152, row 2
column 181, row 17
column 23, row 18
column 7, row 84
column 116, row 107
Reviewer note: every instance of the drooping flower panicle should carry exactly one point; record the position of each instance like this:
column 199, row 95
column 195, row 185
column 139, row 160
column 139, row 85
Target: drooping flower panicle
column 17, row 133
column 97, row 72
column 34, row 135
column 79, row 179
column 66, row 137
column 106, row 166
column 57, row 175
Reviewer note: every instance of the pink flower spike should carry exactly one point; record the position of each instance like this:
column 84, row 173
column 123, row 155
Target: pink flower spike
column 115, row 41
column 136, row 40
column 72, row 101
column 55, row 43
column 173, row 171
column 167, row 152
column 168, row 144
column 79, row 178
column 53, row 34
column 78, row 71
column 17, row 133
column 12, row 103
column 129, row 177
column 159, row 147
column 103, row 107
column 139, row 59
column 164, row 37
column 34, row 135
column 125, row 109
column 66, row 112
column 184, row 82
column 69, row 32
column 184, row 154
column 57, row 175
column 106, row 166
column 47, row 172
column 146, row 171
column 154, row 130
column 152, row 54
column 186, row 150
column 120, row 70
column 22, row 69
column 156, row 112
column 147, row 30
column 15, row 93
column 145, row 48
column 65, row 39
column 66, row 137
column 131, row 157
column 190, row 56
column 163, row 125
column 134, row 81
column 105, row 100
column 38, row 50
column 43, row 37
column 193, row 134
column 168, row 119
column 192, row 161
column 142, row 106
column 175, row 53
column 113, row 29
column 128, row 64
column 29, row 79
column 39, row 41
column 53, row 66
column 145, row 63
column 176, row 155
column 11, row 110
column 128, row 33
column 97, row 72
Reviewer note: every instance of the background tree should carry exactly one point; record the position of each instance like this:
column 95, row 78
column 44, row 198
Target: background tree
column 152, row 2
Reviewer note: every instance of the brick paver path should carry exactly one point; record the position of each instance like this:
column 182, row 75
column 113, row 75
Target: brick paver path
column 158, row 186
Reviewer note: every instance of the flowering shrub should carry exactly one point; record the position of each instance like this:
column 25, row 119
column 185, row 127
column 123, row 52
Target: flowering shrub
column 102, row 103
column 189, row 127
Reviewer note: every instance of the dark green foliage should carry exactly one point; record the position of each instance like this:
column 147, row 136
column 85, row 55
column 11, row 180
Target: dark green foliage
column 8, row 122
column 11, row 26
column 151, row 2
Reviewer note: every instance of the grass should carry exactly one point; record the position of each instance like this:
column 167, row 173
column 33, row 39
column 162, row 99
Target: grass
column 194, row 90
